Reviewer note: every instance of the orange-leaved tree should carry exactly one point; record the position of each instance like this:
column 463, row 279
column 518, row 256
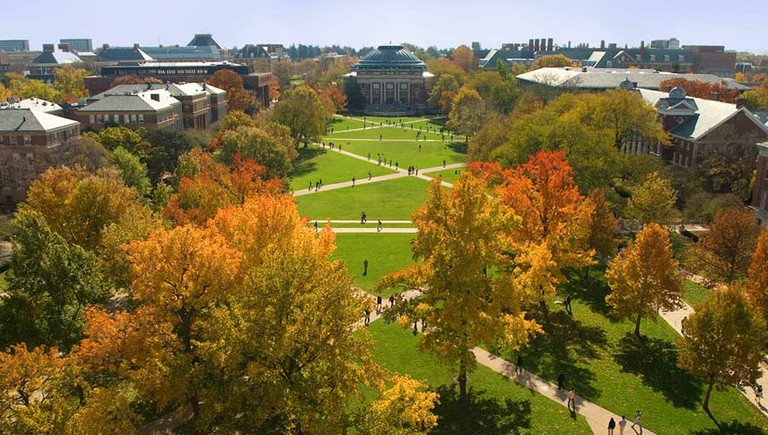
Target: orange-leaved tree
column 237, row 97
column 757, row 277
column 696, row 88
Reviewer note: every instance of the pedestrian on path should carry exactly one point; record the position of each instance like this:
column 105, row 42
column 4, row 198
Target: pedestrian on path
column 378, row 304
column 622, row 425
column 365, row 267
column 378, row 227
column 519, row 364
column 759, row 393
column 391, row 301
column 419, row 147
column 369, row 175
column 363, row 217
column 315, row 226
column 369, row 157
column 367, row 317
column 310, row 186
column 353, row 181
column 443, row 162
column 611, row 426
column 571, row 404
column 682, row 324
column 638, row 422
column 560, row 381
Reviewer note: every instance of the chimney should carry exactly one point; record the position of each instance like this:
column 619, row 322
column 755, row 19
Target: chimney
column 642, row 45
column 155, row 97
column 543, row 44
column 741, row 102
column 583, row 69
column 48, row 48
column 535, row 45
column 64, row 47
column 602, row 44
column 105, row 47
column 550, row 44
column 569, row 44
column 135, row 45
column 530, row 44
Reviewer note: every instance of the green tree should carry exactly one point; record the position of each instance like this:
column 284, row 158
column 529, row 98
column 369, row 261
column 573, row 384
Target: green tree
column 551, row 60
column 301, row 111
column 113, row 137
column 468, row 112
column 69, row 82
column 462, row 233
column 164, row 147
column 644, row 278
column 85, row 152
column 271, row 147
column 52, row 283
column 603, row 227
column 629, row 117
column 134, row 172
column 493, row 134
column 723, row 342
column 757, row 278
column 442, row 93
column 653, row 201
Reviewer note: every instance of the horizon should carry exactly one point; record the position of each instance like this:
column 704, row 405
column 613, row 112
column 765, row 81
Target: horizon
column 426, row 23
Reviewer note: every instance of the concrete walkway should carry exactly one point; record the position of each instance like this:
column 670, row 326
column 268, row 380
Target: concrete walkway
column 374, row 230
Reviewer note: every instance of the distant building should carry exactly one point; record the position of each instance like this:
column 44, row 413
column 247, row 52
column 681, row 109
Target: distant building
column 251, row 52
column 43, row 65
column 392, row 81
column 203, row 40
column 5, row 63
column 712, row 59
column 76, row 44
column 201, row 104
column 33, row 104
column 177, row 72
column 759, row 201
column 173, row 53
column 666, row 44
column 596, row 79
column 108, row 55
column 31, row 141
column 152, row 109
column 14, row 45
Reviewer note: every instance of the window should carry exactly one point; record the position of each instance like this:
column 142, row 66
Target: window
column 27, row 140
column 12, row 140
column 609, row 64
column 133, row 118
column 126, row 118
column 91, row 119
column 653, row 58
column 141, row 118
column 30, row 157
column 680, row 58
column 639, row 57
column 116, row 118
column 666, row 58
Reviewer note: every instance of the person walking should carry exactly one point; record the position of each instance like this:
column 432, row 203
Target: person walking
column 519, row 364
column 367, row 319
column 391, row 301
column 365, row 267
column 363, row 217
column 611, row 426
column 758, row 393
column 378, row 227
column 638, row 422
column 353, row 181
column 443, row 162
column 369, row 175
column 571, row 404
column 560, row 381
column 316, row 226
column 310, row 186
column 622, row 425
column 378, row 304
column 567, row 304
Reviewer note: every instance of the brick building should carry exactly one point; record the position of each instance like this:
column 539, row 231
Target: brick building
column 201, row 104
column 31, row 141
column 148, row 109
column 712, row 59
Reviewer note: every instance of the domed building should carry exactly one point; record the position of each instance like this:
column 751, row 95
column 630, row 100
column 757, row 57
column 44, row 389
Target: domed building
column 392, row 81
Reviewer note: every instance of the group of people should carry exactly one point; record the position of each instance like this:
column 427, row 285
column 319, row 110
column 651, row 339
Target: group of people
column 315, row 185
column 622, row 424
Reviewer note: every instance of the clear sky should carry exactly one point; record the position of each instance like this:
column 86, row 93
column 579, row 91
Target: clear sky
column 444, row 23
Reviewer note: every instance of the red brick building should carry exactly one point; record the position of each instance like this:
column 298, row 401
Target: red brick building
column 148, row 109
column 30, row 143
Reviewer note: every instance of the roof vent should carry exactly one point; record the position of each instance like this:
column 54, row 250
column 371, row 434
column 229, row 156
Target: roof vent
column 583, row 69
column 155, row 97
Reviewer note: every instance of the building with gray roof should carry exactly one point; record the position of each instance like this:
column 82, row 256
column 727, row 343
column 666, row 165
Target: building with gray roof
column 148, row 109
column 43, row 65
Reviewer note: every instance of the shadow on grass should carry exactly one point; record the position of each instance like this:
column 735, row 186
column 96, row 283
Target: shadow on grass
column 732, row 428
column 592, row 293
column 566, row 341
column 458, row 147
column 655, row 362
column 303, row 163
column 479, row 414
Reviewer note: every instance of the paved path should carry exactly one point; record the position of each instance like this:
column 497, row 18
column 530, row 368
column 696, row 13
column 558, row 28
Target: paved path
column 374, row 230
column 357, row 221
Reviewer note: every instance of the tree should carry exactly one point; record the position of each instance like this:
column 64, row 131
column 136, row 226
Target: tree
column 52, row 282
column 757, row 278
column 113, row 137
column 493, row 134
column 443, row 66
column 653, row 201
column 555, row 219
column 462, row 233
column 757, row 98
column 468, row 112
column 85, row 152
column 337, row 97
column 629, row 117
column 237, row 97
column 29, row 88
column 78, row 205
column 163, row 149
column 442, row 93
column 134, row 80
column 551, row 60
column 403, row 409
column 603, row 227
column 695, row 88
column 134, row 172
column 723, row 342
column 69, row 82
column 302, row 112
column 725, row 251
column 465, row 58
column 271, row 147
column 644, row 278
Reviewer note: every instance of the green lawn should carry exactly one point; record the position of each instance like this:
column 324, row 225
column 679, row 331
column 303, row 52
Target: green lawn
column 497, row 405
column 449, row 175
column 385, row 253
column 385, row 133
column 407, row 153
column 341, row 124
column 694, row 293
column 386, row 200
column 370, row 224
column 607, row 365
column 316, row 163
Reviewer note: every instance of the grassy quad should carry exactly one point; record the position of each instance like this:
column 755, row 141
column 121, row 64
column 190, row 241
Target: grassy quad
column 340, row 124
column 449, row 175
column 385, row 253
column 387, row 133
column 407, row 153
column 488, row 411
column 607, row 365
column 386, row 200
column 694, row 293
column 316, row 163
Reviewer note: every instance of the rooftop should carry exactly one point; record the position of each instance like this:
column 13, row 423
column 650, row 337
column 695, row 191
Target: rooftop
column 146, row 101
column 390, row 57
column 175, row 89
column 27, row 120
column 204, row 39
column 35, row 104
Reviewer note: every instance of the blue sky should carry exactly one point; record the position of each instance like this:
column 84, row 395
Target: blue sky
column 446, row 23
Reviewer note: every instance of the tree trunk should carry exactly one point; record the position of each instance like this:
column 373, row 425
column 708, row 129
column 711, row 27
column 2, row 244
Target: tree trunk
column 706, row 396
column 637, row 325
column 586, row 274
column 462, row 379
